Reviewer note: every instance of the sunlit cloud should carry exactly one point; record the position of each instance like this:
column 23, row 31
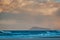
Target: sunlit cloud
column 14, row 5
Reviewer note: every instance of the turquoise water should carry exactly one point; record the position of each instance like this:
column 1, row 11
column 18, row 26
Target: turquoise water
column 35, row 39
column 30, row 34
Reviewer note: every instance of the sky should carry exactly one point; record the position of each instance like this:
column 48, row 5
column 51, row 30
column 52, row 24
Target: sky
column 26, row 14
column 57, row 0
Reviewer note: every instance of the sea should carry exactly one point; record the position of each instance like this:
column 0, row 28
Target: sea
column 29, row 34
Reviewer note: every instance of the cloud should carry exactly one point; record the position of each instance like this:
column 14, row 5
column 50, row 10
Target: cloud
column 25, row 14
column 8, row 22
column 33, row 6
column 57, row 13
column 26, row 21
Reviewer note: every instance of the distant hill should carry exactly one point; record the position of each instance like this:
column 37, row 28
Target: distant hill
column 39, row 28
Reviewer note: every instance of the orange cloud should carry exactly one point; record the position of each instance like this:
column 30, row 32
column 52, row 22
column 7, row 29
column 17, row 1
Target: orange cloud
column 29, row 6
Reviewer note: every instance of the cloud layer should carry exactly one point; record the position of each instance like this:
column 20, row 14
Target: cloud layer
column 25, row 14
column 32, row 6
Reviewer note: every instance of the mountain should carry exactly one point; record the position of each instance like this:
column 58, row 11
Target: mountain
column 38, row 28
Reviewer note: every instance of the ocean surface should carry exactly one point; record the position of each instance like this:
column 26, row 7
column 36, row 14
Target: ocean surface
column 34, row 39
column 29, row 34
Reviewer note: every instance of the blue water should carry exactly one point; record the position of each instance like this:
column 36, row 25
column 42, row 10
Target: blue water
column 30, row 34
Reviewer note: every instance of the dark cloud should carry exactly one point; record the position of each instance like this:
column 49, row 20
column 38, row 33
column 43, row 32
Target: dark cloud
column 57, row 13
